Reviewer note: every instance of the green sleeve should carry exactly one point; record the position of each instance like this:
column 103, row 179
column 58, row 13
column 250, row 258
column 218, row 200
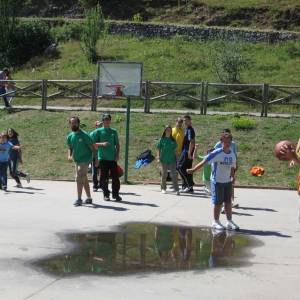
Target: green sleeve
column 116, row 138
column 158, row 144
column 68, row 140
column 93, row 136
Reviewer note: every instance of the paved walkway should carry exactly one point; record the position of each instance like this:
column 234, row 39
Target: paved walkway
column 154, row 110
column 30, row 219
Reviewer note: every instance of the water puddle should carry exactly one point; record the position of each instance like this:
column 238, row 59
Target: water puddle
column 139, row 247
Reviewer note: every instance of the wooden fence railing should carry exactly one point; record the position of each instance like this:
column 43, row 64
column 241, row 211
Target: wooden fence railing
column 202, row 94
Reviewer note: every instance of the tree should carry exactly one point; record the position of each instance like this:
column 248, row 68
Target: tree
column 93, row 27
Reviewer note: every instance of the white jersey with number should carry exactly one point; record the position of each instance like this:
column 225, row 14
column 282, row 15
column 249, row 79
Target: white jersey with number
column 221, row 164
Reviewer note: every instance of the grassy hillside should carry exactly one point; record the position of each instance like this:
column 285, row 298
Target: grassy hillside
column 44, row 150
column 167, row 60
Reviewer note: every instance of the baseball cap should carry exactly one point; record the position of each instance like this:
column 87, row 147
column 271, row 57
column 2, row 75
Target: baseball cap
column 106, row 117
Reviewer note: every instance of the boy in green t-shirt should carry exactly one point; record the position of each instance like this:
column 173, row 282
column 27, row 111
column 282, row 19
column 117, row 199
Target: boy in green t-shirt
column 80, row 151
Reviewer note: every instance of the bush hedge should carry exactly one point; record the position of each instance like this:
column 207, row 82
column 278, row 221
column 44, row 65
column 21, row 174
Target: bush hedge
column 29, row 39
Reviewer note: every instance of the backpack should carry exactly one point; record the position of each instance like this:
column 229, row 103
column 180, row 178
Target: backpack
column 145, row 155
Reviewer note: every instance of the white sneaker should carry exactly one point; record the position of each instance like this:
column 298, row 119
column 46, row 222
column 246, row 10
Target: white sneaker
column 217, row 225
column 27, row 178
column 163, row 191
column 188, row 190
column 171, row 189
column 206, row 190
column 230, row 225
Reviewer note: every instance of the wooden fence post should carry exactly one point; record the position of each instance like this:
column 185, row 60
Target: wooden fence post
column 147, row 97
column 205, row 98
column 44, row 94
column 94, row 95
column 265, row 99
column 202, row 99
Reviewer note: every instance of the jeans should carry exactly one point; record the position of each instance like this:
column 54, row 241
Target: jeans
column 3, row 174
column 183, row 164
column 3, row 91
column 164, row 174
column 107, row 166
column 13, row 170
column 95, row 173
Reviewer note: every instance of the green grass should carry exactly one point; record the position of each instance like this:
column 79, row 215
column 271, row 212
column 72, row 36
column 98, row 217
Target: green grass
column 167, row 60
column 45, row 153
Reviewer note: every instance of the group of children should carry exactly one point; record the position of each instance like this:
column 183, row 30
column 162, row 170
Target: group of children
column 10, row 157
column 219, row 167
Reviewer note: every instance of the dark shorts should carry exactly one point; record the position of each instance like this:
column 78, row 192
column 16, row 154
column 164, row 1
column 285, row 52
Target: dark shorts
column 221, row 192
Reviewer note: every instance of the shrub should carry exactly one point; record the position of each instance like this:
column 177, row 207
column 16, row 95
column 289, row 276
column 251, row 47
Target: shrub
column 7, row 27
column 67, row 32
column 137, row 18
column 190, row 104
column 244, row 123
column 29, row 39
column 89, row 3
column 293, row 49
column 228, row 60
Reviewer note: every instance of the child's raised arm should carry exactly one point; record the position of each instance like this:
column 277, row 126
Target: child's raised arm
column 197, row 167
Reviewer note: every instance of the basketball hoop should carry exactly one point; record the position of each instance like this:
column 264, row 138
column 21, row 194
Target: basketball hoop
column 117, row 89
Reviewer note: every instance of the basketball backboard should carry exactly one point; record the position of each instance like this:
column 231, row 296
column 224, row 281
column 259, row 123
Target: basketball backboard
column 119, row 79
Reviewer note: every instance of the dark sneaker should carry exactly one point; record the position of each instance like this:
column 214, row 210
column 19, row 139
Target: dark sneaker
column 88, row 201
column 118, row 198
column 4, row 188
column 106, row 198
column 78, row 202
column 95, row 189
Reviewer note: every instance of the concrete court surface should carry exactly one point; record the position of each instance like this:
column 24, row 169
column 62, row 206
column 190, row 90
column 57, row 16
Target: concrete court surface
column 31, row 217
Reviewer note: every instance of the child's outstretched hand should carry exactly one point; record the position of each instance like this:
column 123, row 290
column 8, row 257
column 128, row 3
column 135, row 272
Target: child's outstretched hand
column 190, row 171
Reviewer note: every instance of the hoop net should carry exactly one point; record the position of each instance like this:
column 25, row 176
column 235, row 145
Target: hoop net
column 117, row 89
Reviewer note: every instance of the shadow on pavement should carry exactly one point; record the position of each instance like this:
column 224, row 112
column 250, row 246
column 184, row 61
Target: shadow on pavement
column 31, row 188
column 130, row 194
column 195, row 195
column 241, row 214
column 256, row 208
column 18, row 192
column 117, row 208
column 263, row 233
column 139, row 203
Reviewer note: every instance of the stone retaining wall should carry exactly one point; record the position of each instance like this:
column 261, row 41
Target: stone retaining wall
column 200, row 33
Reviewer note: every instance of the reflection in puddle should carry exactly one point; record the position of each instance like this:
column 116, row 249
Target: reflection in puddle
column 138, row 247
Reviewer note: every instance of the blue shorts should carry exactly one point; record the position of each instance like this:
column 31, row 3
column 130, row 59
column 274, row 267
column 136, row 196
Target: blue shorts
column 221, row 192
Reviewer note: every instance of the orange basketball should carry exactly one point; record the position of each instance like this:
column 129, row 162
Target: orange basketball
column 277, row 149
